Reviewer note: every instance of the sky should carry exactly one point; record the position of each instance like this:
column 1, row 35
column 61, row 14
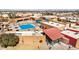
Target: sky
column 39, row 4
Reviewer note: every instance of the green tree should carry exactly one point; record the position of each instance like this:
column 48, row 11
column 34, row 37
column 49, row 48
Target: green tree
column 8, row 40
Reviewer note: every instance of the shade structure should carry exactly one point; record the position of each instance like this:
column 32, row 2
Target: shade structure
column 53, row 33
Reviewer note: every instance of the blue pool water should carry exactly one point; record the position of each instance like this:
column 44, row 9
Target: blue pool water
column 27, row 26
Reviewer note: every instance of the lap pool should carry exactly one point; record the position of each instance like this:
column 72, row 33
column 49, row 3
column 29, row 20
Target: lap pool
column 27, row 26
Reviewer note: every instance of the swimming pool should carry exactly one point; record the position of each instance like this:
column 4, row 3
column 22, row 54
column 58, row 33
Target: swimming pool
column 26, row 26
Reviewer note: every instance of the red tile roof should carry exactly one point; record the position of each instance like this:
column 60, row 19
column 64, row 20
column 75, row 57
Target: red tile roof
column 53, row 33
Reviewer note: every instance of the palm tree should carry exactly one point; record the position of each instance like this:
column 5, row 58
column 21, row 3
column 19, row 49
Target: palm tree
column 12, row 15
